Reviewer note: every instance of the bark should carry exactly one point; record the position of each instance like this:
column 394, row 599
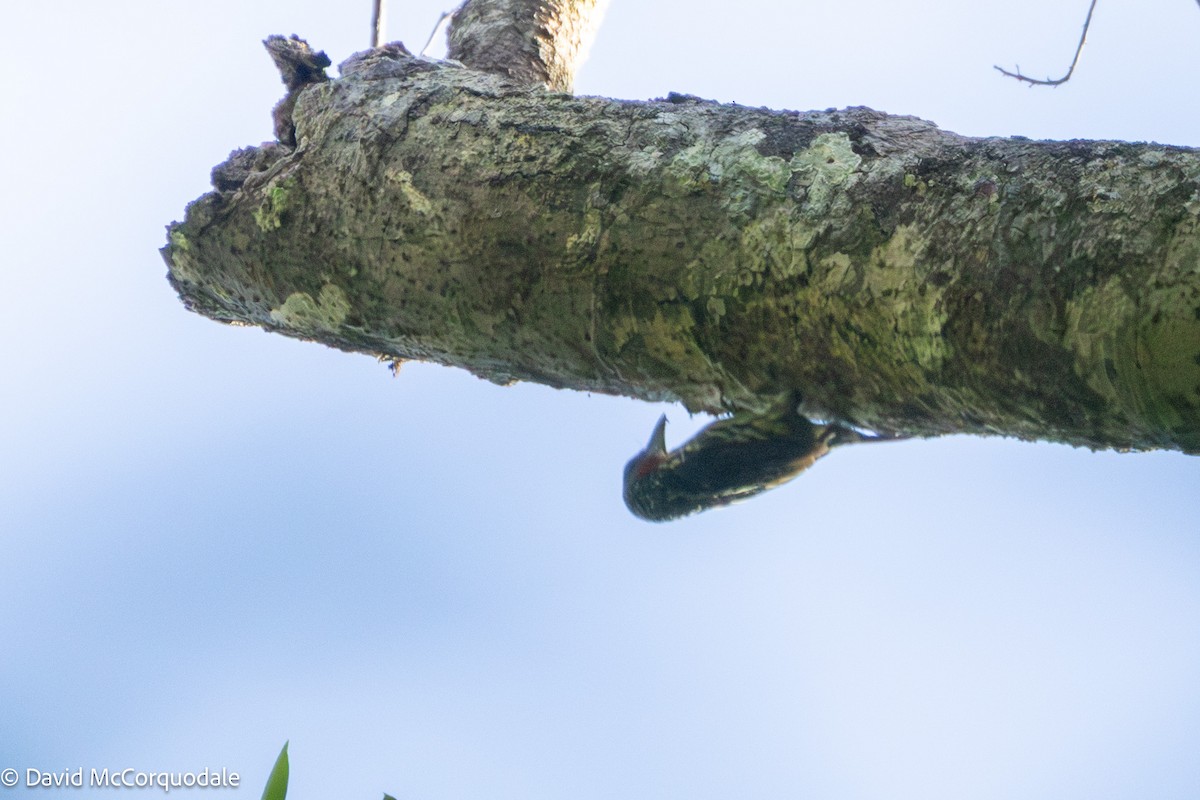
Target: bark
column 901, row 277
column 536, row 42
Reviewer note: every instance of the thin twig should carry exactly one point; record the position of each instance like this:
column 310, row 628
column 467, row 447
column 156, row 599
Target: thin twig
column 1082, row 38
column 377, row 24
column 437, row 26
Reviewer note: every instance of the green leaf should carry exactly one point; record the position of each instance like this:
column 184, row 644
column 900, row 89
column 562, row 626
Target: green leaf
column 276, row 788
column 387, row 796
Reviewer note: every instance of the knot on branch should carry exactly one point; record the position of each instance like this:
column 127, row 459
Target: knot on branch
column 230, row 175
column 299, row 66
column 392, row 60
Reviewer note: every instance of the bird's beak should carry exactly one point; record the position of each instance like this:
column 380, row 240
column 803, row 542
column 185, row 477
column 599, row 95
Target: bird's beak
column 658, row 439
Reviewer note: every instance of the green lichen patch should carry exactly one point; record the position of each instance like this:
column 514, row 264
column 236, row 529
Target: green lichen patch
column 306, row 315
column 736, row 164
column 269, row 214
column 825, row 169
column 1169, row 356
column 580, row 245
column 776, row 242
column 179, row 256
column 663, row 344
column 411, row 195
column 1104, row 356
column 895, row 322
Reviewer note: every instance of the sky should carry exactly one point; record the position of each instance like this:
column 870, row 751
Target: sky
column 214, row 540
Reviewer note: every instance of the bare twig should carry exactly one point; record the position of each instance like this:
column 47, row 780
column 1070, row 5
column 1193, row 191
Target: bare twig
column 377, row 23
column 437, row 26
column 1059, row 81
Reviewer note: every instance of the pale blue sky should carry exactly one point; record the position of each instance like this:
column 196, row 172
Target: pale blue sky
column 214, row 539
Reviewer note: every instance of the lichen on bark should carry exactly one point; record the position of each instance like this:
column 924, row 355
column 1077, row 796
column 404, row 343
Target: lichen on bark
column 901, row 277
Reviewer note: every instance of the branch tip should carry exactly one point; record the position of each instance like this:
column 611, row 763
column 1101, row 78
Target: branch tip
column 1019, row 76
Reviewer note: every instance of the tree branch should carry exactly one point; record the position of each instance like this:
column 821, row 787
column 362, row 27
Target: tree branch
column 377, row 22
column 1087, row 23
column 534, row 42
column 437, row 26
column 901, row 277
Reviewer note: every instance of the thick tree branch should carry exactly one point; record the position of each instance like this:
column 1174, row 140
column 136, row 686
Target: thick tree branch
column 900, row 277
column 534, row 42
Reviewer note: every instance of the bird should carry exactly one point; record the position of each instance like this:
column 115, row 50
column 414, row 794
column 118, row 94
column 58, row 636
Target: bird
column 731, row 459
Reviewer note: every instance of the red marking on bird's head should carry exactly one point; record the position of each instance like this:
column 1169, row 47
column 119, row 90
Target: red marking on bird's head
column 648, row 462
